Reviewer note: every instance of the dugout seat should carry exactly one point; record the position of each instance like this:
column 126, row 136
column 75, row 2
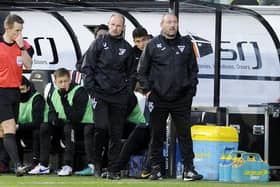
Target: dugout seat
column 40, row 78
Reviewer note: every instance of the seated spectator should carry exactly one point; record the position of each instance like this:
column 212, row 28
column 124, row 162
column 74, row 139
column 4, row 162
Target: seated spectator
column 69, row 111
column 31, row 115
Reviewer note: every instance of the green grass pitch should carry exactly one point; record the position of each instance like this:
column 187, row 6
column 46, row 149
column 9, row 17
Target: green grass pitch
column 74, row 181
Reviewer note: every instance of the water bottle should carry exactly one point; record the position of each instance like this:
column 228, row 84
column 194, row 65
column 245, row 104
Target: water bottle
column 227, row 168
column 222, row 168
column 179, row 170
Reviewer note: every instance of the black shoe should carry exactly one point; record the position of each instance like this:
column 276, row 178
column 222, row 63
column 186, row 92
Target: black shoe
column 155, row 173
column 156, row 176
column 21, row 170
column 113, row 175
column 191, row 175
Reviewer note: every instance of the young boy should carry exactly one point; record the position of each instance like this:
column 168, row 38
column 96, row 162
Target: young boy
column 69, row 110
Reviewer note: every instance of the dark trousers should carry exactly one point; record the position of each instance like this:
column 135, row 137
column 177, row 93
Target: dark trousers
column 89, row 143
column 100, row 142
column 100, row 146
column 111, row 115
column 101, row 134
column 180, row 114
column 53, row 135
column 29, row 136
column 137, row 141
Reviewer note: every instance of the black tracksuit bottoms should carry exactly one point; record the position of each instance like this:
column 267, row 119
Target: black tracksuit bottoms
column 137, row 141
column 58, row 133
column 26, row 134
column 111, row 115
column 180, row 115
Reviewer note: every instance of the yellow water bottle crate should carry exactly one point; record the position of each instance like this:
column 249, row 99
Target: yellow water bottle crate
column 209, row 143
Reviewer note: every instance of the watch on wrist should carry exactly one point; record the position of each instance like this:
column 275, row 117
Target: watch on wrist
column 22, row 48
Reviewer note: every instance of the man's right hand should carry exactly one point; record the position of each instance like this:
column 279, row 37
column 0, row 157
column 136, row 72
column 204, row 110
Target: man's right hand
column 62, row 93
column 19, row 40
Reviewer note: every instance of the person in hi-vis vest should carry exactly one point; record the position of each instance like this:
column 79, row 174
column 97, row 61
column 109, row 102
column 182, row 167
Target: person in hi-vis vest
column 70, row 110
column 31, row 116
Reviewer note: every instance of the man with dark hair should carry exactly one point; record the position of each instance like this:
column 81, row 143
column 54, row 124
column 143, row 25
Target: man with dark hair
column 15, row 53
column 140, row 38
column 168, row 75
column 110, row 76
column 31, row 116
column 69, row 110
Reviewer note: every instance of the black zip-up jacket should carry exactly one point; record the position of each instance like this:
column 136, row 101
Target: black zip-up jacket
column 137, row 53
column 168, row 67
column 109, row 67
